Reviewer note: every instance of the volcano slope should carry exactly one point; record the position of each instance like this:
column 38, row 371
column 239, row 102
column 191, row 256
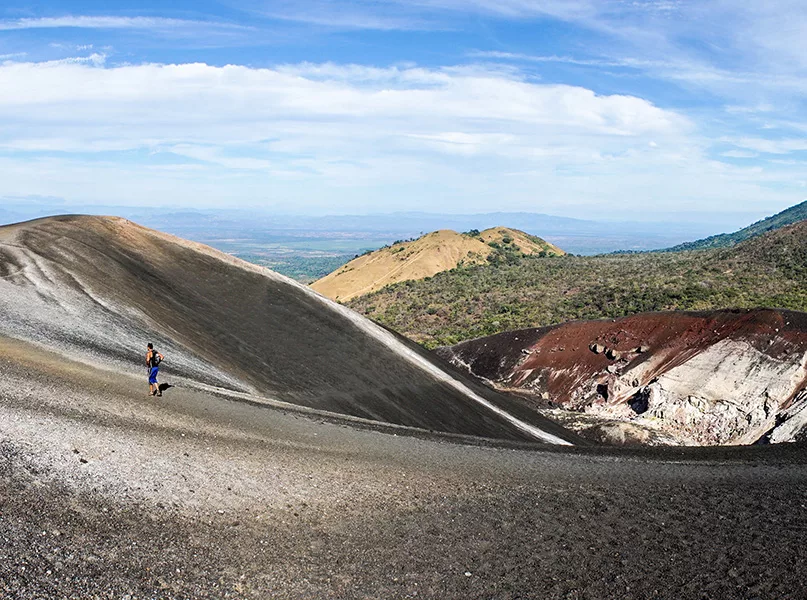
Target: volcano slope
column 702, row 378
column 219, row 490
column 99, row 288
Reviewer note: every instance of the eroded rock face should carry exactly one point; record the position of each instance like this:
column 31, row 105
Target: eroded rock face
column 724, row 377
column 729, row 393
column 792, row 422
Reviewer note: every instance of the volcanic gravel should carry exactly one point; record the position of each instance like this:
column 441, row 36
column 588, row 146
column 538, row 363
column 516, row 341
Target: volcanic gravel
column 107, row 493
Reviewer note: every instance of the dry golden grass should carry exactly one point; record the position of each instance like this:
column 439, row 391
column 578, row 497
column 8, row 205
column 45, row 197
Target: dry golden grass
column 527, row 244
column 424, row 257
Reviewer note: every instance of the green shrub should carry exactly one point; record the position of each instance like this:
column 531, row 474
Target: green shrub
column 514, row 291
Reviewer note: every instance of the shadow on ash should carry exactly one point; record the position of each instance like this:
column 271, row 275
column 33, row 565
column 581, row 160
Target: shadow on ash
column 98, row 288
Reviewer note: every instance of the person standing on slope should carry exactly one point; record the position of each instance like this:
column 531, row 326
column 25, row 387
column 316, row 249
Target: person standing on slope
column 153, row 360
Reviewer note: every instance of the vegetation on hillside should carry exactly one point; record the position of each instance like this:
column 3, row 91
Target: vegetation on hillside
column 794, row 214
column 473, row 301
column 304, row 269
column 428, row 255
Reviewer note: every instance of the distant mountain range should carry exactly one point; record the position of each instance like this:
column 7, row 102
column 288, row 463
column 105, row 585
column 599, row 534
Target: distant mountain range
column 578, row 236
column 213, row 226
column 794, row 214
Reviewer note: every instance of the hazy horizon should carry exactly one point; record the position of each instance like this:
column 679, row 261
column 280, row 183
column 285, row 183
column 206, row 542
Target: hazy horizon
column 262, row 231
column 51, row 207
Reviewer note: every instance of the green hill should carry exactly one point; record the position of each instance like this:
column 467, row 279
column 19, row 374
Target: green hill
column 768, row 270
column 794, row 214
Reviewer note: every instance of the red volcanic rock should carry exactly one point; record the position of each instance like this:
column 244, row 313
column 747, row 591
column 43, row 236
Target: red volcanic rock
column 720, row 377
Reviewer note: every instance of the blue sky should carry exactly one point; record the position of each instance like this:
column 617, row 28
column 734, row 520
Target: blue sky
column 608, row 109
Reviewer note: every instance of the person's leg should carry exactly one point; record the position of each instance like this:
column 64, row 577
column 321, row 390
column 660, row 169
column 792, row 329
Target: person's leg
column 154, row 373
column 153, row 381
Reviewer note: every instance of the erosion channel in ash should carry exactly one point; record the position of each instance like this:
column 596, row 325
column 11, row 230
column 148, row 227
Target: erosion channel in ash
column 305, row 452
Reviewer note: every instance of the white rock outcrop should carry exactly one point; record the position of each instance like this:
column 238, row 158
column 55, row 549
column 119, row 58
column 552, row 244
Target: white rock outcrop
column 730, row 393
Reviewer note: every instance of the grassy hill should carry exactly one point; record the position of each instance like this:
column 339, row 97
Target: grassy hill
column 794, row 214
column 428, row 255
column 769, row 270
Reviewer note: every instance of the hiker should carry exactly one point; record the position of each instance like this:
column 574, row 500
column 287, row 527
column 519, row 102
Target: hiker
column 153, row 360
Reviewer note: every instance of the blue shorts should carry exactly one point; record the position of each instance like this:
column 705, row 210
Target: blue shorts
column 153, row 374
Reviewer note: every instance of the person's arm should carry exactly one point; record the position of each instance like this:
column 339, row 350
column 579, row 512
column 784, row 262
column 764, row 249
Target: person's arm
column 162, row 358
column 148, row 358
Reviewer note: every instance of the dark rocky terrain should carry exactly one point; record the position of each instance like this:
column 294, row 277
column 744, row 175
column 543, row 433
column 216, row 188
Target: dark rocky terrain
column 237, row 484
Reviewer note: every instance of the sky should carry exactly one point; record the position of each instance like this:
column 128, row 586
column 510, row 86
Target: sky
column 657, row 110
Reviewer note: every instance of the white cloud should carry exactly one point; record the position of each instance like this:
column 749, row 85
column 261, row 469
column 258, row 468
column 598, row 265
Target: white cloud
column 739, row 154
column 749, row 110
column 178, row 97
column 215, row 155
column 441, row 14
column 593, row 62
column 772, row 32
column 349, row 126
column 780, row 146
column 415, row 14
column 315, row 135
column 344, row 19
column 110, row 22
column 467, row 144
column 560, row 9
column 749, row 52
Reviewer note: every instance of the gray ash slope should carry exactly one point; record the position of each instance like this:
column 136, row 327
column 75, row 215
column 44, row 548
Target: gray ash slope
column 98, row 288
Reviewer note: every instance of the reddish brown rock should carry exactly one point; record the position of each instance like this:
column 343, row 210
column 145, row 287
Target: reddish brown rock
column 720, row 377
